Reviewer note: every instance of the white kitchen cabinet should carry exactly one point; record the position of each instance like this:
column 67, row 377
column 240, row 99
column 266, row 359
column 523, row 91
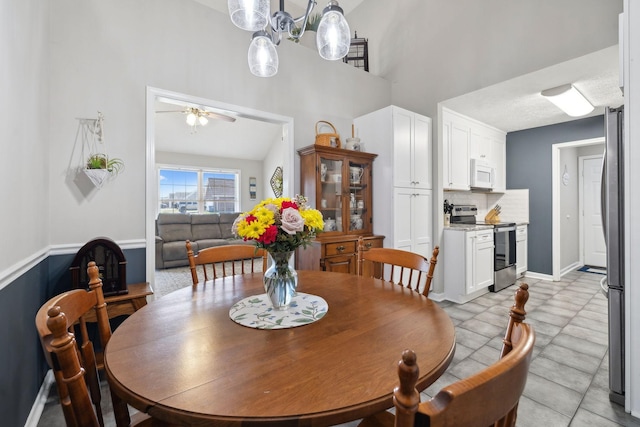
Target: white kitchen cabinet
column 455, row 163
column 521, row 250
column 412, row 220
column 468, row 263
column 463, row 139
column 402, row 176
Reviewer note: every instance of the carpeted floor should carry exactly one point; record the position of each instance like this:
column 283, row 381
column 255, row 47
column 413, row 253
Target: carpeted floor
column 172, row 279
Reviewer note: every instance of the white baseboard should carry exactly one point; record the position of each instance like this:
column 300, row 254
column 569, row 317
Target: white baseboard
column 570, row 268
column 539, row 276
column 436, row 296
column 41, row 400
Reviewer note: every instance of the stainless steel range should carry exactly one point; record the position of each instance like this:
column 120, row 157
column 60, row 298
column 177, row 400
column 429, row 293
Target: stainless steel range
column 504, row 241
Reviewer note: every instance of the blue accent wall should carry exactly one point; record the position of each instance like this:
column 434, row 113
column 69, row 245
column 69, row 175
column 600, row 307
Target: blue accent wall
column 22, row 362
column 528, row 165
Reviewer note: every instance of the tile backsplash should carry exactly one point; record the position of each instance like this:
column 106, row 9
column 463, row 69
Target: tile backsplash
column 514, row 203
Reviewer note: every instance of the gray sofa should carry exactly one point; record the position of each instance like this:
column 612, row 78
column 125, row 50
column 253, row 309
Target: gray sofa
column 203, row 230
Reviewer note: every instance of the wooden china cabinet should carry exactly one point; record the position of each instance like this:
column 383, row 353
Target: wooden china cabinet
column 338, row 183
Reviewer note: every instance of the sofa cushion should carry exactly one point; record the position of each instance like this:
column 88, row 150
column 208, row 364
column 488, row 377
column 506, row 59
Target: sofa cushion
column 172, row 251
column 174, row 227
column 210, row 243
column 205, row 227
column 226, row 222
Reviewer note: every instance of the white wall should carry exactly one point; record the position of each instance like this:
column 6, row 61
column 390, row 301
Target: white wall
column 273, row 159
column 433, row 50
column 24, row 137
column 105, row 54
column 569, row 220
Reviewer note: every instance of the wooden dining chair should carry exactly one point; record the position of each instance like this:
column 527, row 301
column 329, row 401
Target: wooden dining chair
column 401, row 267
column 72, row 357
column 220, row 259
column 487, row 398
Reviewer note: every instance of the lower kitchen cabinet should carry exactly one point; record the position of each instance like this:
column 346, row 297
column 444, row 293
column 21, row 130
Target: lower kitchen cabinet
column 468, row 264
column 521, row 250
column 337, row 254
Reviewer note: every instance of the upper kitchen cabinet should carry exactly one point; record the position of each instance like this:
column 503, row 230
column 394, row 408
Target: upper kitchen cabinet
column 403, row 141
column 464, row 139
column 455, row 142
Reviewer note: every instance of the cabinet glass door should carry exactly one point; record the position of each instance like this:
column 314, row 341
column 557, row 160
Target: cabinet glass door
column 358, row 210
column 330, row 197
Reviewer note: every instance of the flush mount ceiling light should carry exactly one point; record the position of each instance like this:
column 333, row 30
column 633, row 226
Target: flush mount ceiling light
column 333, row 36
column 569, row 100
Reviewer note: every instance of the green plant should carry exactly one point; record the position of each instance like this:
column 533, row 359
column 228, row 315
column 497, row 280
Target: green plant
column 102, row 161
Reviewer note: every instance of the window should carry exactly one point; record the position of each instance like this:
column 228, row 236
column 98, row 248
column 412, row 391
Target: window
column 192, row 190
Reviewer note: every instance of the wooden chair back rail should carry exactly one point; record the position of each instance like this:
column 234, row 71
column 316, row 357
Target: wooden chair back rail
column 221, row 257
column 488, row 398
column 74, row 363
column 401, row 267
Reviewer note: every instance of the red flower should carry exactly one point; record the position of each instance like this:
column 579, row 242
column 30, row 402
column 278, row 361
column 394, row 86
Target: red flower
column 250, row 219
column 287, row 204
column 269, row 235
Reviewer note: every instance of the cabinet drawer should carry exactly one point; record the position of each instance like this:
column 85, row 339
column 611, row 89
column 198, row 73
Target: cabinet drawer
column 340, row 248
column 371, row 243
column 484, row 236
column 521, row 233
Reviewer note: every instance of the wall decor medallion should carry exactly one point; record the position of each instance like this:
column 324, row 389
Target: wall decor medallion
column 276, row 182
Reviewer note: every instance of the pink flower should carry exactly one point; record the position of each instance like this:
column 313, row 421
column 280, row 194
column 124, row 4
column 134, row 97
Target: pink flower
column 292, row 221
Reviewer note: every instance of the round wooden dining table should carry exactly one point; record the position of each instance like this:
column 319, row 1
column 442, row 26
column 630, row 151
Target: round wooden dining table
column 182, row 359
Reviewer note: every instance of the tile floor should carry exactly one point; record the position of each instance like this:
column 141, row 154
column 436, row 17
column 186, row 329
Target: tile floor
column 568, row 379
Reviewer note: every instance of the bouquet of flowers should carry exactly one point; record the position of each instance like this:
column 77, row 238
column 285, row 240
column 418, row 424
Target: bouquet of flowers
column 281, row 224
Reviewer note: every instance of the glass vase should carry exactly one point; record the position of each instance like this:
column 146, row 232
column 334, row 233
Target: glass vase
column 280, row 280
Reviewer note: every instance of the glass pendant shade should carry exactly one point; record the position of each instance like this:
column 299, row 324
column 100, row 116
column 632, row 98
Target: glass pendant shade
column 203, row 120
column 191, row 119
column 334, row 36
column 250, row 15
column 263, row 57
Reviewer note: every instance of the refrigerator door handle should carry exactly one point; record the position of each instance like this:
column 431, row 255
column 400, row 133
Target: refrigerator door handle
column 603, row 194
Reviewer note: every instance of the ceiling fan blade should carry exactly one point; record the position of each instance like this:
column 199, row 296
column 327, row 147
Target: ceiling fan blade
column 220, row 116
column 170, row 111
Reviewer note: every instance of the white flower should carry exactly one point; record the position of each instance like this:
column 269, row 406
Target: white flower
column 292, row 221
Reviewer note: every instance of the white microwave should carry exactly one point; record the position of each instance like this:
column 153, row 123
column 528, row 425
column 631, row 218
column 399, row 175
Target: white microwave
column 482, row 174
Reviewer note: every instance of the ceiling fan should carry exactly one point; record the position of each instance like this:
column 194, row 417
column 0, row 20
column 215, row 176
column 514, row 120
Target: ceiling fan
column 198, row 116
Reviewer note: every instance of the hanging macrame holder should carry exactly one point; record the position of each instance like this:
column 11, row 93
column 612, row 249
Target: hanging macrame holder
column 93, row 135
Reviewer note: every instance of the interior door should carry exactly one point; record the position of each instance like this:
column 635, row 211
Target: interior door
column 595, row 252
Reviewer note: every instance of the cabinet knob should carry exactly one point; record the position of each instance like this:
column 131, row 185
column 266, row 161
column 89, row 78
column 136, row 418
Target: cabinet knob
column 340, row 248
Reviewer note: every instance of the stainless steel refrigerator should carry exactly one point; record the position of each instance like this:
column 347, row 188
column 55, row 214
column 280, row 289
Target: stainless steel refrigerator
column 613, row 225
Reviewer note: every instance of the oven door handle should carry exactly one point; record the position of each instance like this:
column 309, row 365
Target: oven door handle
column 503, row 229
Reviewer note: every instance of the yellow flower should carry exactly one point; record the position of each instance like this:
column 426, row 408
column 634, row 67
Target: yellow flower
column 312, row 218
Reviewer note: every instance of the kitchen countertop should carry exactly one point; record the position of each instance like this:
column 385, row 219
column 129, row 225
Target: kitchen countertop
column 469, row 227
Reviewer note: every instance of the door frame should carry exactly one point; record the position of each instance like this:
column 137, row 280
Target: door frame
column 151, row 197
column 581, row 221
column 556, row 182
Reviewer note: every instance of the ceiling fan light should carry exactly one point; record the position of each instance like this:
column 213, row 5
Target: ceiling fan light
column 203, row 120
column 569, row 100
column 250, row 15
column 262, row 56
column 333, row 37
column 191, row 119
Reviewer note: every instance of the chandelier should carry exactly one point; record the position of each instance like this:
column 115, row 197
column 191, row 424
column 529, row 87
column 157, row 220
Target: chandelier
column 332, row 38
